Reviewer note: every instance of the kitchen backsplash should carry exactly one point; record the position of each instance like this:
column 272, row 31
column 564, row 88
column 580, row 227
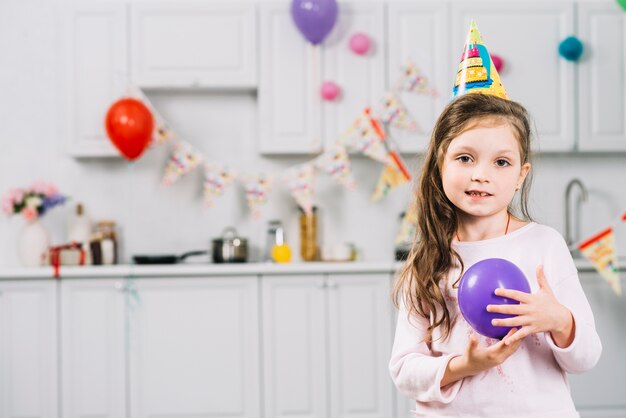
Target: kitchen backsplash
column 222, row 125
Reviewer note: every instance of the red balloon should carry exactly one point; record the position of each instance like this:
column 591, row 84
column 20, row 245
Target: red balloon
column 129, row 125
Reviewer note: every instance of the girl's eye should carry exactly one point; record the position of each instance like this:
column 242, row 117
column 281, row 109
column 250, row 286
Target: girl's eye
column 464, row 159
column 502, row 163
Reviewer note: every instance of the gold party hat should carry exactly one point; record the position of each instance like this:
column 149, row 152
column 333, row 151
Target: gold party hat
column 477, row 73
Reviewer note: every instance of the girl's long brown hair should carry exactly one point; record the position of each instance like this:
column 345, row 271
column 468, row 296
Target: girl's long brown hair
column 432, row 257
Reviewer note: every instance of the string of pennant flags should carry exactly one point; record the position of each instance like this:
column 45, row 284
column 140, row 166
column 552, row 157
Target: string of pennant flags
column 367, row 135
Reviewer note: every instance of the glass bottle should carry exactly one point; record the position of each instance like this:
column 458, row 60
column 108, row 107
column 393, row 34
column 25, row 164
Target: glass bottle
column 106, row 230
column 308, row 235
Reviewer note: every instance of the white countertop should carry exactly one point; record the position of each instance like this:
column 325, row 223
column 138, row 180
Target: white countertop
column 206, row 269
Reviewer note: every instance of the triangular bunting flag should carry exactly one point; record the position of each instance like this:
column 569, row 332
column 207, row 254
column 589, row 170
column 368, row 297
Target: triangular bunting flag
column 394, row 113
column 363, row 137
column 216, row 178
column 390, row 177
column 300, row 180
column 408, row 225
column 257, row 189
column 336, row 163
column 600, row 250
column 183, row 160
column 413, row 81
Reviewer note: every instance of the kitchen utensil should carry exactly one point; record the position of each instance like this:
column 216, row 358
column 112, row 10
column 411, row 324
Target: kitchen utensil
column 165, row 258
column 230, row 248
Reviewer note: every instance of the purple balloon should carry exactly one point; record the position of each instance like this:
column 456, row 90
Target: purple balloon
column 314, row 18
column 476, row 291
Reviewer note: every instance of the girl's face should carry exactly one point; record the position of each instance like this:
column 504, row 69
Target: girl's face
column 482, row 169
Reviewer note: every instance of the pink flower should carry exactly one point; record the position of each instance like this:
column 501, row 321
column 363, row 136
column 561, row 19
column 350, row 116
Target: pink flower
column 7, row 205
column 16, row 195
column 29, row 213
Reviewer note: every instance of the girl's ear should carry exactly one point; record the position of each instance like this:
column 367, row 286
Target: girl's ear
column 522, row 175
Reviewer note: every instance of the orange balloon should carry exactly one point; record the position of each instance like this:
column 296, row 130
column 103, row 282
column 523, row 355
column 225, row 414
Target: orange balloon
column 129, row 125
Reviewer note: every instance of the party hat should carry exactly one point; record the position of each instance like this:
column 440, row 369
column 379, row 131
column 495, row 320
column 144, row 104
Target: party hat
column 477, row 73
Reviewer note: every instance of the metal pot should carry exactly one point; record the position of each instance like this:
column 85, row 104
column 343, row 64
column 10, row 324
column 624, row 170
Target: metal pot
column 230, row 248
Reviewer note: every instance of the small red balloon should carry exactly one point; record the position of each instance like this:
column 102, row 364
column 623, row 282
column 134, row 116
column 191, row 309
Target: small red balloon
column 129, row 125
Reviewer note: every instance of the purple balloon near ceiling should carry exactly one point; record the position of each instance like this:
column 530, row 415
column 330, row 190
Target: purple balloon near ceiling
column 314, row 18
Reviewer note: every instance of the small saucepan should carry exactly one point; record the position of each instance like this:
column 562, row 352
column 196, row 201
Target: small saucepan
column 165, row 258
column 230, row 248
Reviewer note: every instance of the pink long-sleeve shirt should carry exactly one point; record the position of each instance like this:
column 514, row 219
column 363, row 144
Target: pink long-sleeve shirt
column 530, row 383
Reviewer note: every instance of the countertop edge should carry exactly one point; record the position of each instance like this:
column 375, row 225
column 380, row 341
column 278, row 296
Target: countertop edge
column 208, row 270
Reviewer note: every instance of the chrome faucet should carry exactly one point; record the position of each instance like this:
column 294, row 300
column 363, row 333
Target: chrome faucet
column 582, row 197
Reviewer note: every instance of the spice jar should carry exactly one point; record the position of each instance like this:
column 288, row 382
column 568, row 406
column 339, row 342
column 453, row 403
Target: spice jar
column 105, row 230
column 308, row 235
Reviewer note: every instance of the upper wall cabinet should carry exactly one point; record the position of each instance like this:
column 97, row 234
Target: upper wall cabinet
column 361, row 78
column 288, row 96
column 602, row 87
column 194, row 44
column 418, row 35
column 96, row 73
column 526, row 35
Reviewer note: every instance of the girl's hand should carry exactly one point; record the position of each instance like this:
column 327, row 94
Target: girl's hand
column 483, row 358
column 477, row 359
column 537, row 312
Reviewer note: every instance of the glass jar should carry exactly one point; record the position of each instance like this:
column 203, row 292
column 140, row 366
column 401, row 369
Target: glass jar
column 105, row 230
column 308, row 235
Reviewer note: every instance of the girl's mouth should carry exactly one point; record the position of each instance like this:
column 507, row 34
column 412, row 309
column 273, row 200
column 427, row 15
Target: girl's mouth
column 475, row 193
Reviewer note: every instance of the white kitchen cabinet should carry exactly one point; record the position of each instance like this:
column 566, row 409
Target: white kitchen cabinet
column 326, row 346
column 601, row 84
column 194, row 348
column 600, row 391
column 93, row 348
column 96, row 73
column 418, row 33
column 194, row 44
column 361, row 78
column 527, row 35
column 28, row 349
column 289, row 76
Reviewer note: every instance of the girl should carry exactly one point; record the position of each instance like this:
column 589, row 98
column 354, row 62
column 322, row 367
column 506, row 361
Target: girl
column 477, row 160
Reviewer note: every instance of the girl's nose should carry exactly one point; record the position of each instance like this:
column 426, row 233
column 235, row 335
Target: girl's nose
column 480, row 174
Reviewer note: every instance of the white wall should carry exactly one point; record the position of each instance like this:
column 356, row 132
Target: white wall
column 223, row 126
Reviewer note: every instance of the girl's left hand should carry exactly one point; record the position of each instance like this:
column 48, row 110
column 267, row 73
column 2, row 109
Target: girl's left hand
column 536, row 312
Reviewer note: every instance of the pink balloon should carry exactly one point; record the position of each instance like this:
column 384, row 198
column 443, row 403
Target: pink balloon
column 498, row 62
column 329, row 90
column 360, row 43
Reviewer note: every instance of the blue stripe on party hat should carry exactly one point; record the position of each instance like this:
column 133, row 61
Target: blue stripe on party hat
column 477, row 73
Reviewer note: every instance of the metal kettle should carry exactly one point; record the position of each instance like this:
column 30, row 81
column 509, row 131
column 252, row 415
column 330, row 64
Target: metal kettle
column 230, row 248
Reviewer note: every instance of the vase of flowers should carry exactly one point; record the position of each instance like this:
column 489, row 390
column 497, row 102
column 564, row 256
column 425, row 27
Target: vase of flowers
column 32, row 203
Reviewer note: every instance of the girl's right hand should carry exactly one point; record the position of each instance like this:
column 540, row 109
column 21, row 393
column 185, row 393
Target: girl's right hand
column 482, row 358
column 478, row 359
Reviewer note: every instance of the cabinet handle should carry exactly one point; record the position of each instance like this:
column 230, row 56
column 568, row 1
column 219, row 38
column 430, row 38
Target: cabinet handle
column 332, row 284
column 119, row 286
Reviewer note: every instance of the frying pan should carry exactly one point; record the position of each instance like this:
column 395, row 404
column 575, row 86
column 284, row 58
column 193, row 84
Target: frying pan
column 165, row 258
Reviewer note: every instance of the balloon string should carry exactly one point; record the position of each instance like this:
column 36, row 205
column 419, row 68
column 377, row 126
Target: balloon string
column 315, row 97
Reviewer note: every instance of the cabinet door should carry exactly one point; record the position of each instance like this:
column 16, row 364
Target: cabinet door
column 602, row 99
column 361, row 78
column 527, row 35
column 93, row 348
column 195, row 348
column 96, row 73
column 294, row 347
column 288, row 96
column 418, row 34
column 593, row 395
column 194, row 44
column 28, row 349
column 359, row 345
